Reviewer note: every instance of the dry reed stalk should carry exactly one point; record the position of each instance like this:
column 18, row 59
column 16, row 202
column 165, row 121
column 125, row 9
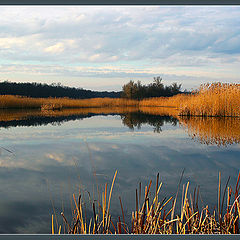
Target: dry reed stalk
column 154, row 217
column 216, row 99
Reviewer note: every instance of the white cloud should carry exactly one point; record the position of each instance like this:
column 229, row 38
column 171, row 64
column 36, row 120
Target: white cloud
column 187, row 40
column 56, row 48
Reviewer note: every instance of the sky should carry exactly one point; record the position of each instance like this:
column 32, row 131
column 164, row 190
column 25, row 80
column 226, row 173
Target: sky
column 104, row 47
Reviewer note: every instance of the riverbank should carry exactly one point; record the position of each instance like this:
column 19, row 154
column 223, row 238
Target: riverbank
column 219, row 99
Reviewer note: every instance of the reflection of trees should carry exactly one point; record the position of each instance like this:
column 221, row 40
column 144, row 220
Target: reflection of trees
column 42, row 120
column 206, row 130
column 137, row 119
column 213, row 130
column 13, row 118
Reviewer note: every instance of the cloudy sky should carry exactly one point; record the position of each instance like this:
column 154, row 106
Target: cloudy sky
column 103, row 47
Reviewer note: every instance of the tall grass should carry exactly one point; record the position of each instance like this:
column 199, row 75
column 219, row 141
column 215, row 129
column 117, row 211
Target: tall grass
column 16, row 102
column 160, row 216
column 174, row 101
column 216, row 99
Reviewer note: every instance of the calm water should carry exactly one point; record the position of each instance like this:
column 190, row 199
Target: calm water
column 44, row 160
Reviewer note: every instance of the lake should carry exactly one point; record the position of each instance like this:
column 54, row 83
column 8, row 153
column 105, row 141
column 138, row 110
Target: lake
column 45, row 157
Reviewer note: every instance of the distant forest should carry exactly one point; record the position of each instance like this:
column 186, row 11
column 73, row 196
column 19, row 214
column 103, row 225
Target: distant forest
column 130, row 90
column 38, row 90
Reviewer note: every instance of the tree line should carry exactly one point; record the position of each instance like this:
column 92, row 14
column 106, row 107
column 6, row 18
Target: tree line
column 39, row 90
column 130, row 90
column 139, row 91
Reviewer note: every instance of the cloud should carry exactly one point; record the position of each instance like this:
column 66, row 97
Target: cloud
column 160, row 37
column 57, row 48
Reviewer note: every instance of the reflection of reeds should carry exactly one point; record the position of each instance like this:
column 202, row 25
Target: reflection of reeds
column 13, row 114
column 212, row 130
column 161, row 111
column 155, row 216
column 208, row 130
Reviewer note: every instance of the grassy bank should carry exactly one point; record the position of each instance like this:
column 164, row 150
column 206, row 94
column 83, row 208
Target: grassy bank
column 216, row 99
column 17, row 102
column 153, row 215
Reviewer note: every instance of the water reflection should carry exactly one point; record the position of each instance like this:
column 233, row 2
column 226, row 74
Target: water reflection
column 50, row 163
column 216, row 131
column 213, row 130
column 13, row 118
column 137, row 119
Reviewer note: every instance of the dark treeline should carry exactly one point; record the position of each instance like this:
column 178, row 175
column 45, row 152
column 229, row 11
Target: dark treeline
column 38, row 90
column 139, row 91
column 131, row 120
column 130, row 90
column 33, row 121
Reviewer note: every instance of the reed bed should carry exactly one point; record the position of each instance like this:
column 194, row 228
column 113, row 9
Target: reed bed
column 153, row 215
column 174, row 101
column 16, row 102
column 217, row 99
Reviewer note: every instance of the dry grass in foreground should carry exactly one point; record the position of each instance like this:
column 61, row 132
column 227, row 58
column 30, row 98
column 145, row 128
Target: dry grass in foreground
column 158, row 216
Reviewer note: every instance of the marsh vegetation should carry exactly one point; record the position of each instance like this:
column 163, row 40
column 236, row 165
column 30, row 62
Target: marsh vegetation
column 157, row 215
column 209, row 100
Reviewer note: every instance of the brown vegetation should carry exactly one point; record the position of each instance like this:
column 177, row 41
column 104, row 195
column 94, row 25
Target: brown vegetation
column 217, row 99
column 16, row 102
column 158, row 216
column 209, row 130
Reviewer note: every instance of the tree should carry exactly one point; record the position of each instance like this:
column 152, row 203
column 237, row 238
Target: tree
column 138, row 91
column 130, row 90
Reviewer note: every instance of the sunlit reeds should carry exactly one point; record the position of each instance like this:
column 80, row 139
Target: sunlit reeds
column 174, row 101
column 217, row 99
column 160, row 216
column 16, row 102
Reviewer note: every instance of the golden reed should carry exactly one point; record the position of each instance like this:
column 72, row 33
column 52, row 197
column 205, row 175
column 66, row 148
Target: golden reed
column 153, row 215
column 216, row 99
